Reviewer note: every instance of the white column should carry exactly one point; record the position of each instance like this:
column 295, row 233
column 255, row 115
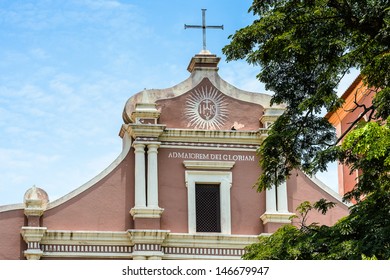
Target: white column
column 270, row 200
column 282, row 198
column 152, row 176
column 140, row 191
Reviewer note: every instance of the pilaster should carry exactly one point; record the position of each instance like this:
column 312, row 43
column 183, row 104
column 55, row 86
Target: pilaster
column 152, row 175
column 140, row 182
column 145, row 130
column 276, row 213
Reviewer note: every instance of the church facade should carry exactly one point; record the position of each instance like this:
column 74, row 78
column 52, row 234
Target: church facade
column 182, row 187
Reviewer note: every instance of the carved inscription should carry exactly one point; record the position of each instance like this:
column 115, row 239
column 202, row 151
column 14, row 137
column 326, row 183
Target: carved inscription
column 210, row 156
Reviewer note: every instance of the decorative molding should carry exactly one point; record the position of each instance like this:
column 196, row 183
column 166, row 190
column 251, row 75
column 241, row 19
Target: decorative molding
column 210, row 146
column 98, row 249
column 33, row 236
column 147, row 247
column 203, row 251
column 86, row 244
column 148, row 236
column 283, row 218
column 145, row 111
column 136, row 244
column 209, row 240
column 139, row 213
column 78, row 237
column 207, row 137
column 11, row 207
column 208, row 165
column 145, row 130
column 206, row 246
column 224, row 178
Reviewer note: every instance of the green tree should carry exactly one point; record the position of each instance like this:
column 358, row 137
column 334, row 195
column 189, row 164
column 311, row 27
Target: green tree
column 304, row 48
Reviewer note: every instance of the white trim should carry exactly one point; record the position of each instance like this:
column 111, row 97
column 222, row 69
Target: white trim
column 10, row 207
column 146, row 212
column 139, row 175
column 276, row 217
column 244, row 137
column 200, row 165
column 224, row 178
column 276, row 206
column 166, row 146
column 85, row 237
column 152, row 179
column 142, row 243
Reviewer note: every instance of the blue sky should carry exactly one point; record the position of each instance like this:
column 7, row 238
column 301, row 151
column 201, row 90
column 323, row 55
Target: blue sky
column 68, row 67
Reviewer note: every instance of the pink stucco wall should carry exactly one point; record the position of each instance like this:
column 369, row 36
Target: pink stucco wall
column 104, row 206
column 173, row 111
column 247, row 205
column 11, row 241
column 301, row 188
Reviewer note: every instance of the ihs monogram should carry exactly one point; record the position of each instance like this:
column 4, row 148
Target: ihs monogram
column 206, row 109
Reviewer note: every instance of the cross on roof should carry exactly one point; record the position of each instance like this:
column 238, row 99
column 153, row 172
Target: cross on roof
column 204, row 27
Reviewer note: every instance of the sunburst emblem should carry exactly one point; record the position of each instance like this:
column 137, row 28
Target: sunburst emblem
column 206, row 109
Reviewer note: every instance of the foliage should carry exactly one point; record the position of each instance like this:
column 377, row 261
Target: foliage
column 304, row 48
column 364, row 234
column 367, row 149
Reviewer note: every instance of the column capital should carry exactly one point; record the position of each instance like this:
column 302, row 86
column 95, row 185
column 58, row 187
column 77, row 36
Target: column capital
column 276, row 217
column 154, row 144
column 139, row 145
column 146, row 212
column 33, row 236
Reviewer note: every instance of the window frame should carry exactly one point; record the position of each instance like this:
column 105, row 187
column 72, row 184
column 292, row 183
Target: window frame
column 224, row 179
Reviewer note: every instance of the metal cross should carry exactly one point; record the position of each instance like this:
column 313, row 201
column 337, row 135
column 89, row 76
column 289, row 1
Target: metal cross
column 204, row 27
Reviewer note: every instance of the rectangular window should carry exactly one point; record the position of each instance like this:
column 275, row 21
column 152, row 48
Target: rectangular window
column 208, row 208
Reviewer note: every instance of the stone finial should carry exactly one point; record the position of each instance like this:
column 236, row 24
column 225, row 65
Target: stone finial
column 35, row 201
column 145, row 113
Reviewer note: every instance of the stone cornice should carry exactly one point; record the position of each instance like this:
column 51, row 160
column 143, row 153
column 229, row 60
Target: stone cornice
column 131, row 243
column 148, row 236
column 77, row 237
column 33, row 234
column 277, row 217
column 144, row 130
column 209, row 240
column 138, row 213
column 212, row 136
